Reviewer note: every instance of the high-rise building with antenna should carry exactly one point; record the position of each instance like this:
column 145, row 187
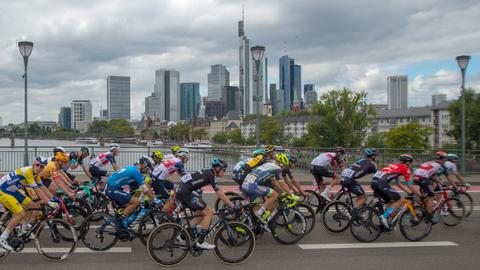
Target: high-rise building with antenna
column 244, row 82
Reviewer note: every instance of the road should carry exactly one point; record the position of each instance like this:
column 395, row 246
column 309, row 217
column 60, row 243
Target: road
column 445, row 248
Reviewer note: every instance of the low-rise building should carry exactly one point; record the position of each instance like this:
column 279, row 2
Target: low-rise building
column 230, row 122
column 294, row 126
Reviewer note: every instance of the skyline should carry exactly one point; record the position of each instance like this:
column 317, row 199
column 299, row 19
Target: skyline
column 75, row 48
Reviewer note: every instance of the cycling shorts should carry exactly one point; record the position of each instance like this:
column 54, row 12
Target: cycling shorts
column 353, row 186
column 319, row 172
column 14, row 201
column 385, row 191
column 162, row 188
column 195, row 203
column 254, row 190
column 118, row 195
column 425, row 185
column 97, row 174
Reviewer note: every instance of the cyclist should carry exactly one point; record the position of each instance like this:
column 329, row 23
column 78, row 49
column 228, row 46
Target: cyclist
column 356, row 171
column 97, row 164
column 186, row 193
column 160, row 182
column 15, row 201
column 175, row 149
column 133, row 177
column 257, row 184
column 76, row 159
column 288, row 177
column 270, row 151
column 157, row 157
column 53, row 176
column 325, row 165
column 427, row 174
column 382, row 178
column 451, row 166
column 244, row 167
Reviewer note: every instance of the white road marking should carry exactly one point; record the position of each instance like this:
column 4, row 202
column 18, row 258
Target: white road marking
column 79, row 250
column 378, row 245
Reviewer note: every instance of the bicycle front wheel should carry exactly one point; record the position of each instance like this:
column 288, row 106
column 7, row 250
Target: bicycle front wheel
column 467, row 202
column 51, row 243
column 451, row 212
column 367, row 225
column 310, row 217
column 168, row 244
column 149, row 222
column 415, row 228
column 99, row 232
column 336, row 217
column 288, row 227
column 314, row 200
column 234, row 243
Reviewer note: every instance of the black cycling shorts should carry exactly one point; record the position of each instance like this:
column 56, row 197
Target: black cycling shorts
column 191, row 201
column 47, row 182
column 353, row 186
column 71, row 176
column 97, row 174
column 162, row 188
column 425, row 185
column 319, row 172
column 385, row 191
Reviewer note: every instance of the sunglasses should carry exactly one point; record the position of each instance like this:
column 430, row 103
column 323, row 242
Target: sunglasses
column 39, row 165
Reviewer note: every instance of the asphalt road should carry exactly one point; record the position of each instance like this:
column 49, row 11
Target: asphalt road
column 453, row 248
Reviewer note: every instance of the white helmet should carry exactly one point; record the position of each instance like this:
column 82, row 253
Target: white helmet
column 114, row 146
column 183, row 152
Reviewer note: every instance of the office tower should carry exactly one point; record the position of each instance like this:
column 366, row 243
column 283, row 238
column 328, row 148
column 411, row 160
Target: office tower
column 438, row 98
column 287, row 76
column 213, row 109
column 230, row 99
column 244, row 70
column 152, row 106
column 65, row 117
column 189, row 100
column 167, row 89
column 273, row 97
column 308, row 87
column 310, row 98
column 217, row 79
column 81, row 114
column 397, row 92
column 280, row 101
column 118, row 97
column 261, row 97
column 297, row 81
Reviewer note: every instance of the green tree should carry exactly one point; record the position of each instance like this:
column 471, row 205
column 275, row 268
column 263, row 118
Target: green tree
column 271, row 131
column 412, row 135
column 472, row 119
column 179, row 133
column 235, row 136
column 199, row 133
column 376, row 140
column 221, row 137
column 344, row 119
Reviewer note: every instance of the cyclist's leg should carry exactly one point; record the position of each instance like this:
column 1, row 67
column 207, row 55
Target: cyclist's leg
column 357, row 189
column 317, row 175
column 11, row 202
column 427, row 190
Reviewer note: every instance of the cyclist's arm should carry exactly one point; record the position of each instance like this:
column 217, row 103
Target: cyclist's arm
column 86, row 171
column 46, row 192
column 296, row 184
column 460, row 178
column 225, row 199
column 42, row 195
column 115, row 166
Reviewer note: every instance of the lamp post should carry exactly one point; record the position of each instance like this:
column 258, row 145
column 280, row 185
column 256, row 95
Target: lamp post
column 463, row 63
column 25, row 48
column 257, row 56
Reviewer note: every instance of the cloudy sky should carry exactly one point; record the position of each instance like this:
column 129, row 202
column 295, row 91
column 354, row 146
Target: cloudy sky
column 351, row 43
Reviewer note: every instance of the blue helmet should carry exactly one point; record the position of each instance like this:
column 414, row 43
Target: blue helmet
column 369, row 152
column 259, row 152
column 216, row 162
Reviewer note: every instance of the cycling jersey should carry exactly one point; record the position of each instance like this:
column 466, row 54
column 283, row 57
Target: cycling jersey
column 287, row 172
column 50, row 171
column 169, row 167
column 130, row 175
column 327, row 159
column 392, row 172
column 238, row 174
column 429, row 169
column 262, row 174
column 75, row 158
column 199, row 179
column 102, row 160
column 451, row 167
column 359, row 169
column 18, row 179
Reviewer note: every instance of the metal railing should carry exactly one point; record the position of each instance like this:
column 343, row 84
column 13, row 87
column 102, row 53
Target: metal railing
column 12, row 158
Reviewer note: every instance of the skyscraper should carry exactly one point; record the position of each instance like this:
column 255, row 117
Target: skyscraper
column 230, row 99
column 118, row 97
column 308, row 87
column 280, row 101
column 217, row 79
column 81, row 114
column 189, row 100
column 310, row 98
column 297, row 81
column 152, row 106
column 397, row 92
column 273, row 97
column 438, row 98
column 288, row 73
column 253, row 103
column 244, row 70
column 65, row 117
column 167, row 89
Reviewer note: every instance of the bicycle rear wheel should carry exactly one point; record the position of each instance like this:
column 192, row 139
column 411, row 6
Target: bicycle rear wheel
column 336, row 217
column 314, row 200
column 219, row 204
column 451, row 212
column 310, row 217
column 51, row 243
column 467, row 202
column 168, row 244
column 99, row 232
column 415, row 229
column 3, row 253
column 234, row 243
column 288, row 226
column 149, row 222
column 366, row 227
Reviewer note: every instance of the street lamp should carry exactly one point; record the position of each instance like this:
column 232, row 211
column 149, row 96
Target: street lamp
column 257, row 56
column 463, row 63
column 25, row 48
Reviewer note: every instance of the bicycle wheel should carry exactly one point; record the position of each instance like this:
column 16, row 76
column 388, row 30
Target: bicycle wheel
column 236, row 244
column 168, row 244
column 84, row 205
column 149, row 222
column 451, row 212
column 288, row 226
column 98, row 201
column 99, row 232
column 219, row 204
column 366, row 227
column 415, row 229
column 314, row 200
column 310, row 217
column 467, row 202
column 77, row 215
column 50, row 242
column 336, row 217
column 3, row 253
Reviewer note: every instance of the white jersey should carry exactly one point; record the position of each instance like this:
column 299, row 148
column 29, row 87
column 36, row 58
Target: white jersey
column 428, row 169
column 324, row 159
column 168, row 167
column 451, row 167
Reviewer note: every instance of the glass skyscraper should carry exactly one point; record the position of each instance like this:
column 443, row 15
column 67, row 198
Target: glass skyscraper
column 189, row 100
column 118, row 97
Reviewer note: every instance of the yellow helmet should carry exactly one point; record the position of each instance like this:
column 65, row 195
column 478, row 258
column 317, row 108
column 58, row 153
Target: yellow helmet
column 157, row 154
column 175, row 149
column 269, row 148
column 61, row 156
column 282, row 158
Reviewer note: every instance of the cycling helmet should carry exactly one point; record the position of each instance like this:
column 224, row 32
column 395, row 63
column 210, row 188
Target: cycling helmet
column 114, row 146
column 147, row 161
column 369, row 152
column 183, row 152
column 440, row 155
column 175, row 149
column 269, row 148
column 216, row 162
column 292, row 159
column 84, row 149
column 405, row 158
column 452, row 156
column 157, row 154
column 58, row 149
column 61, row 156
column 41, row 160
column 339, row 149
column 259, row 152
column 282, row 158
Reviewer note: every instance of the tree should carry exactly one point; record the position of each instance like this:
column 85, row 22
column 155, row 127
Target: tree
column 472, row 119
column 344, row 119
column 235, row 136
column 179, row 132
column 376, row 140
column 112, row 128
column 271, row 131
column 221, row 137
column 412, row 135
column 199, row 133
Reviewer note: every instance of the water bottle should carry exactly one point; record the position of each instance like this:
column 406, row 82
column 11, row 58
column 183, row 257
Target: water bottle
column 132, row 217
column 142, row 213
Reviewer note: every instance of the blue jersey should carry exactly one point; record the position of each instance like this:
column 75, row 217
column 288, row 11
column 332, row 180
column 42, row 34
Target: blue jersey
column 264, row 173
column 130, row 175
